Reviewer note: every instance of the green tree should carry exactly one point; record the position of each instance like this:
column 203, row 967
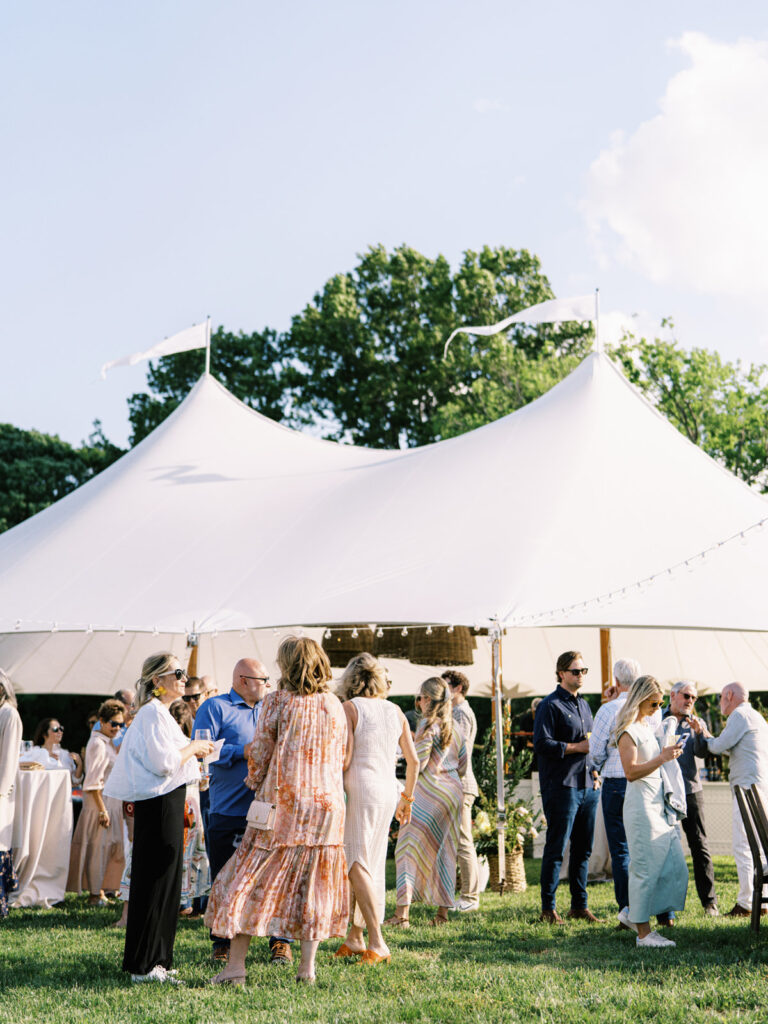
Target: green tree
column 719, row 406
column 368, row 350
column 248, row 365
column 37, row 469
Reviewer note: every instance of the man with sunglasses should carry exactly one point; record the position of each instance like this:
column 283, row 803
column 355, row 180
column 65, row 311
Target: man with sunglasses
column 569, row 787
column 232, row 717
column 682, row 704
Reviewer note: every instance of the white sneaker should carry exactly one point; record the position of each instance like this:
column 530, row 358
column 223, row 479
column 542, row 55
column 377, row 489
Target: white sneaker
column 463, row 905
column 653, row 939
column 624, row 919
column 157, row 973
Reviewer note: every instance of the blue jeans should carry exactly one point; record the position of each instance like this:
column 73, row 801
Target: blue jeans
column 613, row 816
column 570, row 814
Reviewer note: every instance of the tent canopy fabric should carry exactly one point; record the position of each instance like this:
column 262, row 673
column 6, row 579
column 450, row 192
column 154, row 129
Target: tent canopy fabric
column 222, row 521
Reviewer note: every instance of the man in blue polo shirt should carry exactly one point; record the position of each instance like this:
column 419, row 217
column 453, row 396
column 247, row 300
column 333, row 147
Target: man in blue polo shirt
column 569, row 787
column 232, row 717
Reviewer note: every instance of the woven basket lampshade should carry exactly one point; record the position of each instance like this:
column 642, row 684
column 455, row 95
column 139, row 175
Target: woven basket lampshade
column 391, row 643
column 342, row 645
column 442, row 645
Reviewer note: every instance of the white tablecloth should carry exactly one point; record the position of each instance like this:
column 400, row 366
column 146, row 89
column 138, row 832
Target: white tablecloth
column 42, row 836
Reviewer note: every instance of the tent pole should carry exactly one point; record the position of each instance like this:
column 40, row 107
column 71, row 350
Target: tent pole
column 208, row 347
column 501, row 810
column 606, row 662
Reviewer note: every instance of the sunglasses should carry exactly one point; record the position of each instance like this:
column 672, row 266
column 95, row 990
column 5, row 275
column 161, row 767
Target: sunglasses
column 191, row 696
column 114, row 725
column 656, row 703
column 257, row 679
column 178, row 672
column 578, row 671
column 687, row 696
column 57, row 728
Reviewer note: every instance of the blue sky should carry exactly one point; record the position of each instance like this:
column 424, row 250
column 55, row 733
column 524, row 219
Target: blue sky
column 167, row 160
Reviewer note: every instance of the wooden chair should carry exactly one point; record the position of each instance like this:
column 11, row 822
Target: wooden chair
column 745, row 798
column 760, row 819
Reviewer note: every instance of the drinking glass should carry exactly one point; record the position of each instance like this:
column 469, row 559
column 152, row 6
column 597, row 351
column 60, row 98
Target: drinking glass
column 203, row 734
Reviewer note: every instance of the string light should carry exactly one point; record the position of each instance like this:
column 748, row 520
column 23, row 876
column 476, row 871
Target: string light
column 355, row 634
column 429, row 631
column 327, row 634
column 404, row 631
column 689, row 564
column 379, row 633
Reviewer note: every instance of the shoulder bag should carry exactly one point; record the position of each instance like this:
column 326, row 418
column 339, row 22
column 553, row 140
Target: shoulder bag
column 261, row 813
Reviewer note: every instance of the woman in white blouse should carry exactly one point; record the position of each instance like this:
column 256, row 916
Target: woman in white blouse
column 48, row 751
column 10, row 739
column 96, row 860
column 153, row 767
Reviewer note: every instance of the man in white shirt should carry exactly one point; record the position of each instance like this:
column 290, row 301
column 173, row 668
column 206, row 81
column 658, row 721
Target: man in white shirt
column 605, row 757
column 466, row 723
column 745, row 740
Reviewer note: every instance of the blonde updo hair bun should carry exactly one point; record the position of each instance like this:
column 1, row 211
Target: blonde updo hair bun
column 440, row 708
column 304, row 666
column 364, row 676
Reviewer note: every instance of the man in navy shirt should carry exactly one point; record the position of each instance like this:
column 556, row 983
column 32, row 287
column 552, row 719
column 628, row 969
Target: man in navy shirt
column 569, row 787
column 232, row 717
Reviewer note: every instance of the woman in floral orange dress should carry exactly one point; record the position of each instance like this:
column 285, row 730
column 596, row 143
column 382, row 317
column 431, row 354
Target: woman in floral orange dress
column 290, row 880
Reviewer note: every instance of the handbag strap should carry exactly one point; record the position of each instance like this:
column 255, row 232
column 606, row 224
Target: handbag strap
column 277, row 751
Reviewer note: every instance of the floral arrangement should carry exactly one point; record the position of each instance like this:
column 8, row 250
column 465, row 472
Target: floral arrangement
column 521, row 821
column 521, row 825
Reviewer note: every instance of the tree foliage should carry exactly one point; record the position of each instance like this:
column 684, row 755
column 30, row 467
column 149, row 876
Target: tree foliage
column 368, row 350
column 717, row 405
column 37, row 469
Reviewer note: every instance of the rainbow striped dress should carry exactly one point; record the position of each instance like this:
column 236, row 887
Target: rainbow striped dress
column 425, row 856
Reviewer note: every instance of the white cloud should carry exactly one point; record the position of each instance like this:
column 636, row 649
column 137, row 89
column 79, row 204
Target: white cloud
column 485, row 105
column 684, row 198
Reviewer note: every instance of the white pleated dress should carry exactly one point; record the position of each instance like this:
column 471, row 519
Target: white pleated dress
column 372, row 791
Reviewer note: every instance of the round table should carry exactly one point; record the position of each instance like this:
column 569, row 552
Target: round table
column 42, row 836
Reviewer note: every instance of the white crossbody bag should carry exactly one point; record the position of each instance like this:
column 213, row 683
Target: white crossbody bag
column 261, row 813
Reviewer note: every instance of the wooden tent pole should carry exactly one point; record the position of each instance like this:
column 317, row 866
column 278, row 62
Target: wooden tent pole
column 606, row 662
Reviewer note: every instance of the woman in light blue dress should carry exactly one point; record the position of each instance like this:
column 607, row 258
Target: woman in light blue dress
column 658, row 875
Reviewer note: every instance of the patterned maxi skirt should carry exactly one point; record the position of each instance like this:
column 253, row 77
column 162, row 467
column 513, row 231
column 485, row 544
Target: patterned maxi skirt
column 299, row 892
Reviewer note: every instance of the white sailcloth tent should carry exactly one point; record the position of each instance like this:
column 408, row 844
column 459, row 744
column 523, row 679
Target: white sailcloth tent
column 227, row 524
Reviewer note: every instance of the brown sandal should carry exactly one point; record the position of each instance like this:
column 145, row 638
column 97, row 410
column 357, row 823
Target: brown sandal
column 397, row 922
column 437, row 921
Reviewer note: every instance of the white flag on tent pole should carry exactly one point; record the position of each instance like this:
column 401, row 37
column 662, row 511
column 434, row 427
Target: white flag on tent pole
column 183, row 341
column 581, row 307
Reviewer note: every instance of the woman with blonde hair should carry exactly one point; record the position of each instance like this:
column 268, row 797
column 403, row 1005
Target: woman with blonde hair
column 658, row 875
column 290, row 878
column 154, row 765
column 425, row 856
column 375, row 730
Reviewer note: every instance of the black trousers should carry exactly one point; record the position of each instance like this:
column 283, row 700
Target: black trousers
column 156, row 866
column 696, row 834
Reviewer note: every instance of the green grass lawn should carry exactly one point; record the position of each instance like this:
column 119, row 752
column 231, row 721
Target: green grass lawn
column 500, row 964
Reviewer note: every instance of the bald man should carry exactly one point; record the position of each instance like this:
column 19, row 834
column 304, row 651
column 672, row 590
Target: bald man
column 232, row 717
column 745, row 740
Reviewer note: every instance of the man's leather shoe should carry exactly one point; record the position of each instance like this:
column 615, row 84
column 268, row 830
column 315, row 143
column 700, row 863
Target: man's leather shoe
column 582, row 914
column 739, row 911
column 551, row 917
column 280, row 953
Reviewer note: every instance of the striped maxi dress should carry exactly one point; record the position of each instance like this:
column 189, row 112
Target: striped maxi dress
column 425, row 856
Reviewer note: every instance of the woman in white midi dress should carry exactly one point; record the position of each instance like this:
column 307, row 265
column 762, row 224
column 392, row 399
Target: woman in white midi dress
column 375, row 729
column 658, row 875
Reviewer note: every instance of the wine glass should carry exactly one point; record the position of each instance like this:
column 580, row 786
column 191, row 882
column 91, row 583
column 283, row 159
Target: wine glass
column 203, row 734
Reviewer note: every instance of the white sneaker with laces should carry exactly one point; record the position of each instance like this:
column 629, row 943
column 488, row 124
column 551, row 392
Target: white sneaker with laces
column 157, row 973
column 653, row 939
column 624, row 919
column 463, row 905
